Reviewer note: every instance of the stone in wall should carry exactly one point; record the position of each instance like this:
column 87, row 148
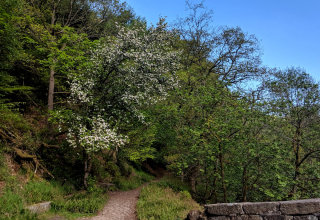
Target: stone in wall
column 275, row 217
column 305, row 217
column 219, row 218
column 308, row 209
column 300, row 207
column 265, row 208
column 224, row 209
column 250, row 217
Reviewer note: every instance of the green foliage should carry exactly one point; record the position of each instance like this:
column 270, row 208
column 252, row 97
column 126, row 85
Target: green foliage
column 140, row 147
column 173, row 183
column 160, row 202
column 10, row 45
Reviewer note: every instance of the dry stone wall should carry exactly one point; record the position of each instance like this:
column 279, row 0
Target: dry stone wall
column 285, row 210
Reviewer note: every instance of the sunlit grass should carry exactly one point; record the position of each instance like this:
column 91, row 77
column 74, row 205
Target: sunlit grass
column 159, row 201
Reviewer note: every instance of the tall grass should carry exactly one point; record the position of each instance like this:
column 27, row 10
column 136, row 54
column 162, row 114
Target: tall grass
column 82, row 203
column 39, row 191
column 163, row 200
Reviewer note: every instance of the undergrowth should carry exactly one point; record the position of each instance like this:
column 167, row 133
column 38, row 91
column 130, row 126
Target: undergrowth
column 13, row 200
column 67, row 201
column 137, row 178
column 167, row 199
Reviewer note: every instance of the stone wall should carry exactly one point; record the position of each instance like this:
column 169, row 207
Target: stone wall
column 285, row 210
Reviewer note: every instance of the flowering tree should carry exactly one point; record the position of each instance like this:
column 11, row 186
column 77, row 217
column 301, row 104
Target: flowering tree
column 135, row 68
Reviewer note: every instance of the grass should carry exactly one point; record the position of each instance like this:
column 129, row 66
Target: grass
column 66, row 201
column 14, row 198
column 18, row 191
column 81, row 203
column 12, row 206
column 39, row 191
column 164, row 200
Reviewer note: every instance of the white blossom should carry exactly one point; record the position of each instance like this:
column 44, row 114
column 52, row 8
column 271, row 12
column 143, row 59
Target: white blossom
column 99, row 136
column 134, row 68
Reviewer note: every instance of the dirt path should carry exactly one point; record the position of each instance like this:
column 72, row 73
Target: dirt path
column 120, row 206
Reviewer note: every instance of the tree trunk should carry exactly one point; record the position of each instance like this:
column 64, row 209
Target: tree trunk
column 52, row 72
column 244, row 184
column 87, row 169
column 222, row 174
column 214, row 185
column 296, row 148
column 192, row 179
column 51, row 88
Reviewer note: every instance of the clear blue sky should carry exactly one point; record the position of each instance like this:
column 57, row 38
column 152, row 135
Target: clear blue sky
column 288, row 30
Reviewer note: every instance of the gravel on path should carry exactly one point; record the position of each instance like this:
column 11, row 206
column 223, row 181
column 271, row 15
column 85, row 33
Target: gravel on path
column 120, row 206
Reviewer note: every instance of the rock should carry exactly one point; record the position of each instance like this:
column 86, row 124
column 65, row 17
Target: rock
column 193, row 215
column 224, row 209
column 300, row 207
column 275, row 217
column 305, row 217
column 251, row 217
column 264, row 208
column 39, row 208
column 219, row 218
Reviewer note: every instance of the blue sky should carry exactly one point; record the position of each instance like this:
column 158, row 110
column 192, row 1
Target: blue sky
column 288, row 30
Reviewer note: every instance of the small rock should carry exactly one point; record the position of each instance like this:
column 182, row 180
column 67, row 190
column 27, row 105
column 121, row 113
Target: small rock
column 193, row 215
column 224, row 209
column 305, row 217
column 264, row 208
column 39, row 208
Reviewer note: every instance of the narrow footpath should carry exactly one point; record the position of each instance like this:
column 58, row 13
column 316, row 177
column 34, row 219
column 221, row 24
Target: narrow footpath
column 120, row 206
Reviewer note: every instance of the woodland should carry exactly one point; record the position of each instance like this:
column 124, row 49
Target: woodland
column 89, row 92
